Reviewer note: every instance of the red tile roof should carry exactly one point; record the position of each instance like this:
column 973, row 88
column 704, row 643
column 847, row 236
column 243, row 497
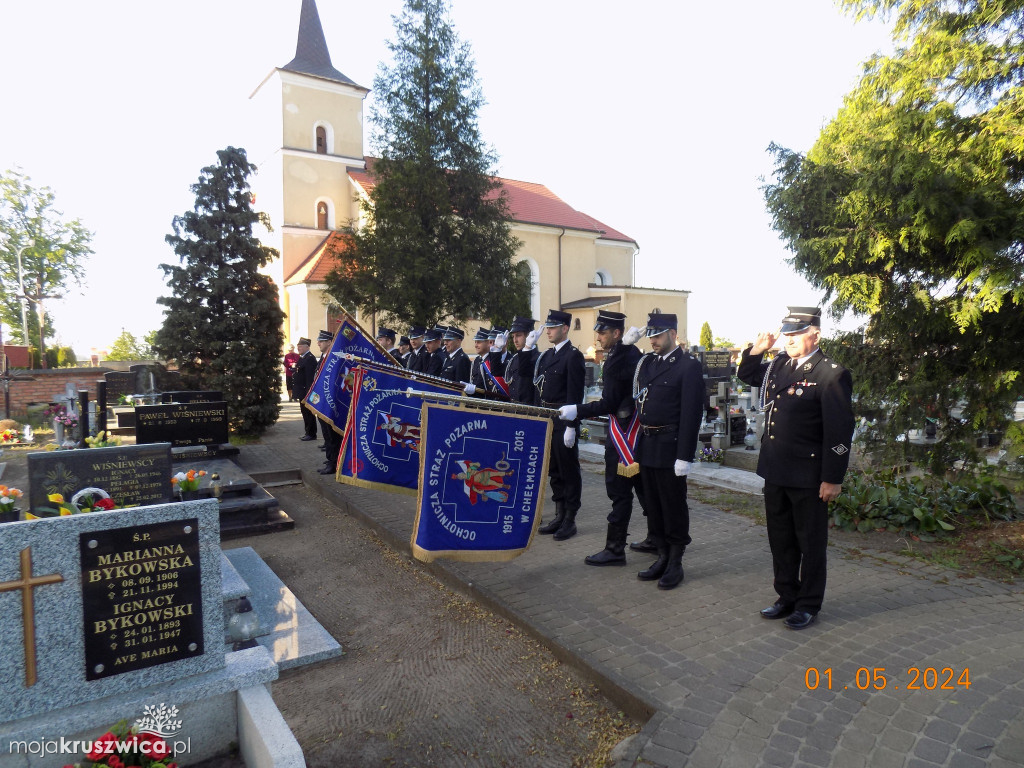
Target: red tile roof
column 321, row 261
column 529, row 203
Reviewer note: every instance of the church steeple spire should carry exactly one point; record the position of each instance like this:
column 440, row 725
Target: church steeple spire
column 311, row 54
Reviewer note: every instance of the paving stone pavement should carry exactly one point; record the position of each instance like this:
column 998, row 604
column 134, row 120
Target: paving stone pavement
column 722, row 687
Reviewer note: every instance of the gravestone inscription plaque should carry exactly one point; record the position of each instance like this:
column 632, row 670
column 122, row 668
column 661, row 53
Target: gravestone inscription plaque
column 141, row 596
column 130, row 474
column 191, row 396
column 182, row 424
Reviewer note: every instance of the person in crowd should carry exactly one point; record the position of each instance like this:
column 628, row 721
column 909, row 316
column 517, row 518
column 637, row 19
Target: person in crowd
column 519, row 371
column 418, row 359
column 305, row 372
column 332, row 439
column 291, row 358
column 456, row 365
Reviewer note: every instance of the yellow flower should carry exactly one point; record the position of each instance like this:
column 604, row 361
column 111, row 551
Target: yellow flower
column 56, row 498
column 64, row 511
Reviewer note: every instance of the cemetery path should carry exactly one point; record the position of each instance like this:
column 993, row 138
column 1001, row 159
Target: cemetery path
column 865, row 686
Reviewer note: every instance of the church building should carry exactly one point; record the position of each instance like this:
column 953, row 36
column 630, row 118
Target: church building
column 313, row 173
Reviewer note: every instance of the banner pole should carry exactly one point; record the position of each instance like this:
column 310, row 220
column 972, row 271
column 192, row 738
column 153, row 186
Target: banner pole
column 486, row 405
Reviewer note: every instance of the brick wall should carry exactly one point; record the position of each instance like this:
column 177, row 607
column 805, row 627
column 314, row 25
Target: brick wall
column 48, row 384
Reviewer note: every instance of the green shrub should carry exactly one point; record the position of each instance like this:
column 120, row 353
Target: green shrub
column 928, row 506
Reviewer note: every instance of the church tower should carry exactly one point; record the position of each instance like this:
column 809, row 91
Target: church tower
column 310, row 119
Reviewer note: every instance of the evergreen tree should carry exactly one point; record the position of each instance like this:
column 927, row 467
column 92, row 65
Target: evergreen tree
column 127, row 347
column 437, row 242
column 908, row 210
column 706, row 339
column 222, row 323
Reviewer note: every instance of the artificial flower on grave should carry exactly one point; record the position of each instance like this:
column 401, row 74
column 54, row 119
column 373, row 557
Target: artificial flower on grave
column 124, row 747
column 60, row 508
column 61, row 415
column 102, row 439
column 9, row 436
column 188, row 481
column 710, row 454
column 7, row 497
column 88, row 504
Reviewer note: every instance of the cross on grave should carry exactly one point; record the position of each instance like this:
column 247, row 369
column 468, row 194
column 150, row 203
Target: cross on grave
column 28, row 609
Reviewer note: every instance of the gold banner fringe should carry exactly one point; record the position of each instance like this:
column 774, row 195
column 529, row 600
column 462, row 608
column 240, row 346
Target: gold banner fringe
column 628, row 470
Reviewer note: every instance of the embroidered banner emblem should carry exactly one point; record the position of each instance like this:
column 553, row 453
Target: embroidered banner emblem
column 840, row 449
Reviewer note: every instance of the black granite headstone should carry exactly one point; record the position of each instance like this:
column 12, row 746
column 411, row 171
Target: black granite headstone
column 717, row 362
column 182, row 424
column 118, row 384
column 142, row 597
column 191, row 396
column 130, row 474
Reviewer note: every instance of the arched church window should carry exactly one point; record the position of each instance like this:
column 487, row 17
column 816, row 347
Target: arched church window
column 576, row 324
column 602, row 278
column 321, row 215
column 321, row 141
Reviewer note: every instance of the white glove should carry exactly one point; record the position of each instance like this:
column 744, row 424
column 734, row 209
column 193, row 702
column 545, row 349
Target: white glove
column 470, row 388
column 531, row 340
column 632, row 336
column 682, row 468
column 499, row 342
column 569, row 437
column 567, row 413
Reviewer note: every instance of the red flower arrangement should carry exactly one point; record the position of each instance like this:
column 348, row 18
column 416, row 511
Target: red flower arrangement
column 121, row 747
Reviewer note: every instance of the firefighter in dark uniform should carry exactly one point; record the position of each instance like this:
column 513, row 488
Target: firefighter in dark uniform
column 302, row 380
column 559, row 376
column 805, row 450
column 477, row 378
column 497, row 359
column 418, row 358
column 620, row 359
column 519, row 371
column 432, row 343
column 456, row 366
column 405, row 351
column 668, row 387
column 386, row 338
column 332, row 439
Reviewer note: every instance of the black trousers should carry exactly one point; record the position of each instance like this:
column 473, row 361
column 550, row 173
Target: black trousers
column 333, row 442
column 798, row 535
column 309, row 419
column 564, row 469
column 668, row 514
column 621, row 489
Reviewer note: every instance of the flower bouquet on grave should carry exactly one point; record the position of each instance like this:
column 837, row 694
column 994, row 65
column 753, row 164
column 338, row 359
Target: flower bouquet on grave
column 60, row 508
column 93, row 500
column 124, row 747
column 709, row 454
column 187, row 482
column 9, row 436
column 102, row 439
column 9, row 512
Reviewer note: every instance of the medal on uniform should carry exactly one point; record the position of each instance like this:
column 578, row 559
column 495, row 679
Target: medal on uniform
column 791, row 390
column 799, row 392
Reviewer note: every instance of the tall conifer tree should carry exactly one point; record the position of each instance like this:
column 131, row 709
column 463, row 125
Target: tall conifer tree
column 436, row 242
column 223, row 322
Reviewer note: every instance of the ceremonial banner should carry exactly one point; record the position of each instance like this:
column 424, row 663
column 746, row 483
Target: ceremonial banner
column 380, row 448
column 331, row 393
column 482, row 480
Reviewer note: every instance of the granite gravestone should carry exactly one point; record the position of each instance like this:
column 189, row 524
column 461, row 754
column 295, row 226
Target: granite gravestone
column 119, row 384
column 105, row 603
column 182, row 424
column 191, row 396
column 130, row 474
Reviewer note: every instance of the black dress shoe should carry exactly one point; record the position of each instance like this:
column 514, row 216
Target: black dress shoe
column 644, row 546
column 326, row 471
column 778, row 611
column 800, row 620
column 307, row 438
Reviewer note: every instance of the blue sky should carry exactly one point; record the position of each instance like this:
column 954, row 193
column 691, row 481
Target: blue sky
column 652, row 117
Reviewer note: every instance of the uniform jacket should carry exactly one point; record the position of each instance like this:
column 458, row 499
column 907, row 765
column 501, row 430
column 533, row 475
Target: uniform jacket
column 669, row 393
column 617, row 385
column 456, row 366
column 418, row 359
column 559, row 376
column 436, row 362
column 519, row 376
column 305, row 372
column 808, row 421
column 477, row 377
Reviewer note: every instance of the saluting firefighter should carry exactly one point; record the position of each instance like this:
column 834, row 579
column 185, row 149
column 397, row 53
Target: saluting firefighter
column 559, row 376
column 497, row 361
column 332, row 439
column 669, row 391
column 621, row 474
column 519, row 371
column 418, row 359
column 805, row 451
column 456, row 365
column 386, row 338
